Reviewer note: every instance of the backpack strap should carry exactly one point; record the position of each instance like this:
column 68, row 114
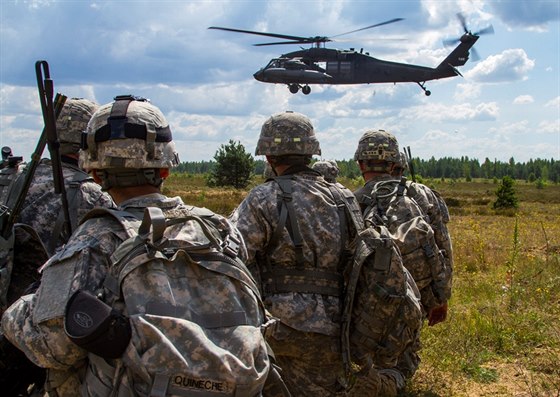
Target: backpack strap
column 130, row 224
column 276, row 280
column 287, row 213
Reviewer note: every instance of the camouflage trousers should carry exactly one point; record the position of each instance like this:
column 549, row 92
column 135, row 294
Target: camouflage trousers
column 311, row 363
column 378, row 383
column 388, row 382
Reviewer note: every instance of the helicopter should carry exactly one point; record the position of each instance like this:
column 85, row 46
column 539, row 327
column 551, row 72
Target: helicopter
column 321, row 65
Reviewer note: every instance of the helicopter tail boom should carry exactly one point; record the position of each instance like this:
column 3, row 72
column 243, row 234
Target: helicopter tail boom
column 460, row 55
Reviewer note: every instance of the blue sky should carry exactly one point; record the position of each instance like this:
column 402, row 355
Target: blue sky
column 506, row 105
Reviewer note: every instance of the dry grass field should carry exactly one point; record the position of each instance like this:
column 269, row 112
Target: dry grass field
column 502, row 337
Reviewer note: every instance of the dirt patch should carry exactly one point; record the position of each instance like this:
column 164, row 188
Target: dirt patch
column 509, row 380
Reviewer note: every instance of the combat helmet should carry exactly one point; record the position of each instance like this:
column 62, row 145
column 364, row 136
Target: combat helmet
column 287, row 133
column 72, row 122
column 378, row 145
column 328, row 168
column 128, row 134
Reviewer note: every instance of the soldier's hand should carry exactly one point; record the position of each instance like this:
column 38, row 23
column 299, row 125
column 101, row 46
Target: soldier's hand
column 437, row 314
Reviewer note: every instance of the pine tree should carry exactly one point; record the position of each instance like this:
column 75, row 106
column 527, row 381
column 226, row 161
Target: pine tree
column 506, row 196
column 233, row 166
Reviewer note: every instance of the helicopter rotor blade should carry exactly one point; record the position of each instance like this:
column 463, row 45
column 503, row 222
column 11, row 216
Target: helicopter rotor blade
column 474, row 54
column 463, row 22
column 451, row 42
column 285, row 42
column 487, row 30
column 279, row 36
column 371, row 26
column 299, row 39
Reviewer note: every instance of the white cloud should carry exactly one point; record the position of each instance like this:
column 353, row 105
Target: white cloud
column 523, row 100
column 554, row 103
column 439, row 113
column 510, row 65
column 467, row 91
column 549, row 126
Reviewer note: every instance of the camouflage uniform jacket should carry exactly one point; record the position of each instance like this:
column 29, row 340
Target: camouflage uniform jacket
column 431, row 203
column 257, row 217
column 43, row 206
column 35, row 323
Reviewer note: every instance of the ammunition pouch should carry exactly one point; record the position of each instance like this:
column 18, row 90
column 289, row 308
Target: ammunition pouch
column 95, row 326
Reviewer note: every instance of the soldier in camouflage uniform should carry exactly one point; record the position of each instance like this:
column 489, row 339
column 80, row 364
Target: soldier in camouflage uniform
column 42, row 209
column 379, row 160
column 328, row 168
column 299, row 264
column 130, row 160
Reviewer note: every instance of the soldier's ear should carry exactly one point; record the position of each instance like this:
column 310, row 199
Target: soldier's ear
column 164, row 172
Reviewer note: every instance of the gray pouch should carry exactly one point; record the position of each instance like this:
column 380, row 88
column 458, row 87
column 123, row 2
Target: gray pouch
column 96, row 327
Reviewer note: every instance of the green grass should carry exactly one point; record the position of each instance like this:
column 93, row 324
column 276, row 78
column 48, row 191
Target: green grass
column 502, row 337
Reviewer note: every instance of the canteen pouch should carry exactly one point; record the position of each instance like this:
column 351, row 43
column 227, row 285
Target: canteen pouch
column 95, row 326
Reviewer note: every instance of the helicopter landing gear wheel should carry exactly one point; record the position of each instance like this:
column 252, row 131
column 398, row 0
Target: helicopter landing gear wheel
column 294, row 88
column 306, row 90
column 426, row 92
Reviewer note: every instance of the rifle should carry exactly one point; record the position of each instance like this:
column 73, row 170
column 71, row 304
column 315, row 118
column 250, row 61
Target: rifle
column 45, row 86
column 10, row 213
column 410, row 163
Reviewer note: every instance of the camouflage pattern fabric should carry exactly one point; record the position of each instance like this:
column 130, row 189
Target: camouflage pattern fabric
column 287, row 133
column 379, row 382
column 434, row 207
column 310, row 362
column 310, row 357
column 431, row 204
column 377, row 145
column 72, row 121
column 43, row 206
column 328, row 168
column 35, row 323
column 154, row 151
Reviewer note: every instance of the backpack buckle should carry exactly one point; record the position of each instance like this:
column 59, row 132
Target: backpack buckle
column 230, row 246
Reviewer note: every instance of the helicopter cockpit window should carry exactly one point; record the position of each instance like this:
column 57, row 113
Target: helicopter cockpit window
column 274, row 63
column 322, row 66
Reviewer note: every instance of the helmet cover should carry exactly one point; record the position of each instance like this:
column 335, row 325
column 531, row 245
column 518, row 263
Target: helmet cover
column 72, row 122
column 328, row 168
column 139, row 139
column 378, row 145
column 287, row 133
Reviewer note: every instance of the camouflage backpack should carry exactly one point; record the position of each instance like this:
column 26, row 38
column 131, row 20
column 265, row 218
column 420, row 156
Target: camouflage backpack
column 381, row 314
column 392, row 203
column 185, row 316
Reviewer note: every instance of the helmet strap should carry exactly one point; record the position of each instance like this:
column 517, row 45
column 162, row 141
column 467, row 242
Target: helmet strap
column 129, row 177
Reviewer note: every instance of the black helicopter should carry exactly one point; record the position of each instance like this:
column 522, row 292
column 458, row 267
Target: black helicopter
column 320, row 65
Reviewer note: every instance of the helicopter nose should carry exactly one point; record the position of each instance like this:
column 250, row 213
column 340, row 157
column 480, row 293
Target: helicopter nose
column 259, row 76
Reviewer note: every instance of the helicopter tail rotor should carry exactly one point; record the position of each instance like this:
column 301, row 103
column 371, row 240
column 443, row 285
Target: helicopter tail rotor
column 468, row 34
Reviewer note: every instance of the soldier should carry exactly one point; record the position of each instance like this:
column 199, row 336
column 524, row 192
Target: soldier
column 297, row 249
column 328, row 168
column 401, row 205
column 39, row 231
column 379, row 160
column 129, row 150
column 42, row 209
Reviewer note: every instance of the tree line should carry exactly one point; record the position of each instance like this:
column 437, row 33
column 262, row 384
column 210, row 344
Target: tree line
column 446, row 167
